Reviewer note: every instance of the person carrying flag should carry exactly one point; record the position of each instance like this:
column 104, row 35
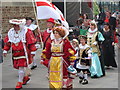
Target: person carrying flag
column 47, row 36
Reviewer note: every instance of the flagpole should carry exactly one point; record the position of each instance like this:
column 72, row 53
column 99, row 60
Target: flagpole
column 65, row 9
column 80, row 6
column 51, row 1
column 37, row 22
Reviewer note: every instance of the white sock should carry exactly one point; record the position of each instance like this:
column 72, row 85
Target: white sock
column 80, row 74
column 34, row 61
column 85, row 76
column 21, row 74
column 34, row 64
column 30, row 65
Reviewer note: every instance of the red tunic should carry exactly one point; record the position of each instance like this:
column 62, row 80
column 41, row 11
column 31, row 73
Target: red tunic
column 18, row 50
column 46, row 39
column 106, row 20
column 46, row 36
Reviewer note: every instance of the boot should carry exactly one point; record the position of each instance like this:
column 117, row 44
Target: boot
column 18, row 86
column 85, row 81
column 25, row 80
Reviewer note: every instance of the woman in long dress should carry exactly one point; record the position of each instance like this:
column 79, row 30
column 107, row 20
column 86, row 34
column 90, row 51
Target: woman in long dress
column 108, row 46
column 60, row 54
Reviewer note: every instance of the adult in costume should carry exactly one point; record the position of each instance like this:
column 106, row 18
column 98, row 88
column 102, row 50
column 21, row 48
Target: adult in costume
column 113, row 23
column 108, row 46
column 47, row 36
column 111, row 20
column 22, row 42
column 60, row 54
column 93, row 37
column 29, row 24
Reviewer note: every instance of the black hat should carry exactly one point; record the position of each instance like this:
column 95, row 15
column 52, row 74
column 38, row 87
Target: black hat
column 29, row 18
column 82, row 37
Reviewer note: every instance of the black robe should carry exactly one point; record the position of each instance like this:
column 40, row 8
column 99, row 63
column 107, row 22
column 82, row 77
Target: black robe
column 108, row 49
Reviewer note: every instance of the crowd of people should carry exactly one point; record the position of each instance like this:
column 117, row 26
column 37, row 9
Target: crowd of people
column 101, row 36
column 90, row 51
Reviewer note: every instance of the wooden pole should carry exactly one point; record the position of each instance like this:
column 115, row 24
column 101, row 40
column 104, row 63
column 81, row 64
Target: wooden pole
column 34, row 6
column 51, row 1
column 65, row 9
column 80, row 6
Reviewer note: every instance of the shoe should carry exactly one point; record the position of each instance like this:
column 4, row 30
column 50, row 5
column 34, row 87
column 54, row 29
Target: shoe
column 72, row 70
column 107, row 67
column 103, row 75
column 18, row 86
column 85, row 81
column 33, row 67
column 95, row 76
column 25, row 80
column 81, row 79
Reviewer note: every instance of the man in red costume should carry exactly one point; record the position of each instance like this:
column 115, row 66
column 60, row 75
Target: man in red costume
column 47, row 36
column 22, row 42
column 30, row 24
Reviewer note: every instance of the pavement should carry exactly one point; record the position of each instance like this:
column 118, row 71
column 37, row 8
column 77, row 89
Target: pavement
column 39, row 79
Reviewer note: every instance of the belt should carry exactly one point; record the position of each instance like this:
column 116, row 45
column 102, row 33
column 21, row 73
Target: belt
column 18, row 51
column 20, row 57
column 57, row 54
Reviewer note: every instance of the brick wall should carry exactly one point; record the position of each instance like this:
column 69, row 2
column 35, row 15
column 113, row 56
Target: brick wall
column 17, row 10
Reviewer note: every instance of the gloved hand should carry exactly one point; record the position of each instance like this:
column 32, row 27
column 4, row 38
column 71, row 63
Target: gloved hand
column 94, row 44
column 4, row 53
column 37, row 46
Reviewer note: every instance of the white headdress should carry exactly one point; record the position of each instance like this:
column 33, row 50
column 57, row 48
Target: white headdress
column 93, row 22
column 20, row 22
column 92, row 31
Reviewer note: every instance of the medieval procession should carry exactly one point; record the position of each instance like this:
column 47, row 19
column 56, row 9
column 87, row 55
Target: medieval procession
column 59, row 45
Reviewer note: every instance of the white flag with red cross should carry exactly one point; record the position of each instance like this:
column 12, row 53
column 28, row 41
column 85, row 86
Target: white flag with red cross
column 46, row 10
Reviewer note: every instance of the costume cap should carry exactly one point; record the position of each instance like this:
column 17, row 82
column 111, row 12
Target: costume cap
column 29, row 18
column 51, row 20
column 82, row 37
